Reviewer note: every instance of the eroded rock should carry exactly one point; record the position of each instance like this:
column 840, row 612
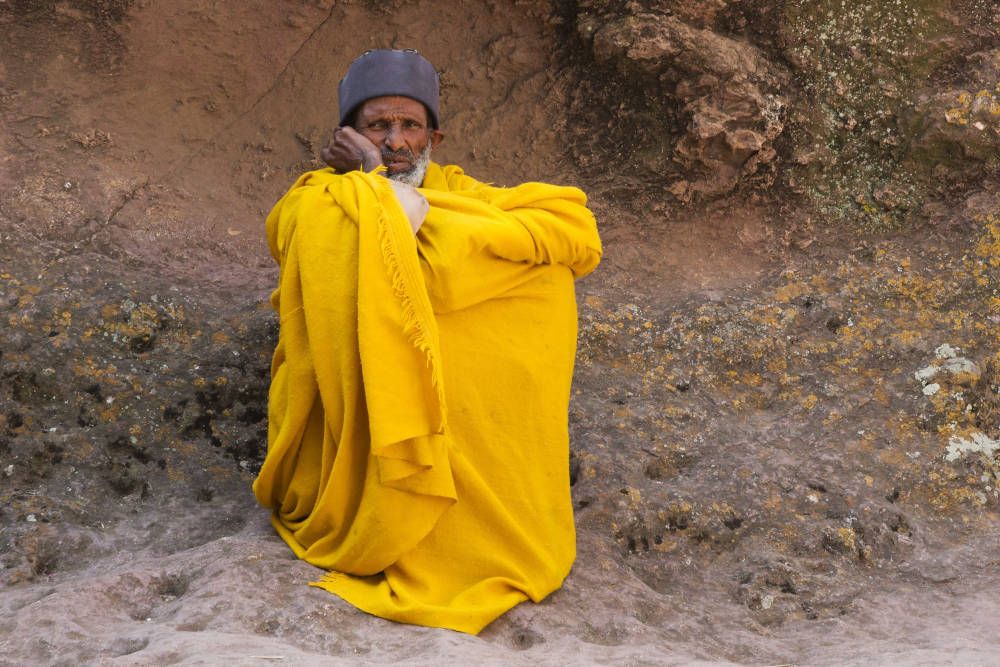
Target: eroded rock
column 724, row 88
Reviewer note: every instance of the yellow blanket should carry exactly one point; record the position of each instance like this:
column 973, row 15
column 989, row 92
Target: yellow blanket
column 418, row 444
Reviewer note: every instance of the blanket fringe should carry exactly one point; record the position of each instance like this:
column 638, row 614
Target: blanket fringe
column 414, row 326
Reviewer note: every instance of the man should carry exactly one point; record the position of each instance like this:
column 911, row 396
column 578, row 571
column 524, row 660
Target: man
column 418, row 441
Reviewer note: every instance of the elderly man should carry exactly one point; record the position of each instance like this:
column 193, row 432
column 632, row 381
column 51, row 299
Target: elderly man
column 418, row 441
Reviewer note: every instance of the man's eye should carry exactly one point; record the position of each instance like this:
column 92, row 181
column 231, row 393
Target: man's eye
column 377, row 125
column 412, row 125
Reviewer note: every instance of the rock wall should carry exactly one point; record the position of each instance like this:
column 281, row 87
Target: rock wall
column 869, row 113
column 784, row 427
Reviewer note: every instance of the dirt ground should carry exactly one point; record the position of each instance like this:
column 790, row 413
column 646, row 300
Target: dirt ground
column 785, row 422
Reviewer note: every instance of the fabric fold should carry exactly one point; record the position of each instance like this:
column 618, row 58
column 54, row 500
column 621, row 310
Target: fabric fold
column 358, row 383
column 418, row 437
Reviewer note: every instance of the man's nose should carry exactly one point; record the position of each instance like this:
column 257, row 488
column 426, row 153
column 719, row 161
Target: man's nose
column 394, row 138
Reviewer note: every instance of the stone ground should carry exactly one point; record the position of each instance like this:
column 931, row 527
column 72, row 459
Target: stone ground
column 785, row 427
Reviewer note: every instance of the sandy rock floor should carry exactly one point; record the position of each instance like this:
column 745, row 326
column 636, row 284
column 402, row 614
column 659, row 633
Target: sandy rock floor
column 241, row 599
column 762, row 470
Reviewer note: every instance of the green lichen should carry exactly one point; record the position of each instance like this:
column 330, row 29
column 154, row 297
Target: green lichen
column 861, row 64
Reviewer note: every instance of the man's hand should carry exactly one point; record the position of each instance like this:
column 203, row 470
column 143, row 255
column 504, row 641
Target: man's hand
column 349, row 150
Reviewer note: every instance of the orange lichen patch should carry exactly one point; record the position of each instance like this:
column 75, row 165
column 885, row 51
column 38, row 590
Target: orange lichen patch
column 220, row 472
column 947, row 495
column 108, row 373
column 778, row 365
column 984, row 102
column 833, row 417
column 848, row 538
column 892, row 457
column 773, row 502
column 923, row 292
column 722, row 509
column 62, row 319
column 988, row 246
column 790, row 291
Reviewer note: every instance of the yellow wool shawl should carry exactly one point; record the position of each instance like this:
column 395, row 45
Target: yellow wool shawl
column 417, row 440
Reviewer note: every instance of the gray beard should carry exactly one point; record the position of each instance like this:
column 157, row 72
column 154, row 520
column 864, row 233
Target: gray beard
column 415, row 175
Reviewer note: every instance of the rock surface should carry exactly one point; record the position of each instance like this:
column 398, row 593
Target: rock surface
column 759, row 473
column 723, row 86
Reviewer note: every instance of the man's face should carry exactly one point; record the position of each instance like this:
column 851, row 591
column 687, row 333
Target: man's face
column 400, row 128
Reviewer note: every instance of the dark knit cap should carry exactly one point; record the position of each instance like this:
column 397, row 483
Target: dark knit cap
column 389, row 72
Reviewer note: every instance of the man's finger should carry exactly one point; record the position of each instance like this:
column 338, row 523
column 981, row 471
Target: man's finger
column 355, row 137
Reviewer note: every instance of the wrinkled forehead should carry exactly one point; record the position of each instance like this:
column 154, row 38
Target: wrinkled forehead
column 393, row 107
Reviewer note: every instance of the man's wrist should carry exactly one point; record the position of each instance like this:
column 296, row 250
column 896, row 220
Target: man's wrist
column 370, row 162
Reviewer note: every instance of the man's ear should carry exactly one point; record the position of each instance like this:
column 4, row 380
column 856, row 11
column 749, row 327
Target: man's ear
column 437, row 136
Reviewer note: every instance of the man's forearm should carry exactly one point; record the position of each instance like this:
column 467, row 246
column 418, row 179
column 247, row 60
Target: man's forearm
column 413, row 203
